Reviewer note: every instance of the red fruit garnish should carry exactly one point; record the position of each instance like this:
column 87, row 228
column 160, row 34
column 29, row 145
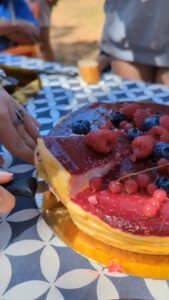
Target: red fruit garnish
column 95, row 183
column 142, row 146
column 131, row 186
column 114, row 267
column 149, row 111
column 155, row 202
column 149, row 211
column 115, row 186
column 92, row 200
column 106, row 125
column 160, row 194
column 143, row 180
column 159, row 133
column 128, row 109
column 164, row 122
column 151, row 188
column 123, row 124
column 139, row 116
column 161, row 162
column 127, row 127
column 103, row 140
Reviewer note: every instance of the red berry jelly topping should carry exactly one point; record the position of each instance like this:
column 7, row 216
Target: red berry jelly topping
column 135, row 213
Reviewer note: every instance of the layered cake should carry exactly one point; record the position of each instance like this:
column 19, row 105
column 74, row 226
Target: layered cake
column 109, row 165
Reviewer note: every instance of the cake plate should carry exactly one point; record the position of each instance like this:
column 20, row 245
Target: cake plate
column 59, row 220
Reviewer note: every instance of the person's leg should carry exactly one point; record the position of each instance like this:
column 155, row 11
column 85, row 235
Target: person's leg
column 104, row 62
column 133, row 71
column 44, row 23
column 162, row 76
column 45, row 46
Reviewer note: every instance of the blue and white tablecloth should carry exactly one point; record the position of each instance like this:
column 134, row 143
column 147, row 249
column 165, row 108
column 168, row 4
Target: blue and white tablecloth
column 34, row 263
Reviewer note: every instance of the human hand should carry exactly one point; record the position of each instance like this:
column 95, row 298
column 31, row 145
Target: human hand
column 22, row 32
column 18, row 131
column 7, row 200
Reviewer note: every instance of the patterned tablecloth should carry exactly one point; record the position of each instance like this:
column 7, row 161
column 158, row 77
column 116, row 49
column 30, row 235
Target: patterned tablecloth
column 34, row 263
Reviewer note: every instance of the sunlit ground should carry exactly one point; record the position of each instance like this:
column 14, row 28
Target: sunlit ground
column 76, row 28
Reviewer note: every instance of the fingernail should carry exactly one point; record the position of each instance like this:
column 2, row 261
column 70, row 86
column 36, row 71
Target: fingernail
column 6, row 173
column 38, row 123
column 5, row 176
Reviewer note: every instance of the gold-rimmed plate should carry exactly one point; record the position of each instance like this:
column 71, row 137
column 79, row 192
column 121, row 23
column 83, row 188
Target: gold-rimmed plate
column 59, row 220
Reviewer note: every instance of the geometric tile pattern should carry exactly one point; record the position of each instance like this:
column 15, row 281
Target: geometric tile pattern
column 34, row 263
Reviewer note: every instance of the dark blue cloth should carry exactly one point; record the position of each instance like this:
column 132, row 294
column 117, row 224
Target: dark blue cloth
column 21, row 12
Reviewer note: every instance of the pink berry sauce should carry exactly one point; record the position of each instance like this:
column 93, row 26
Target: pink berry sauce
column 136, row 213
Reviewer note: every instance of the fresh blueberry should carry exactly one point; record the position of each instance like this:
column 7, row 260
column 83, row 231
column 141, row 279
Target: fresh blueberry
column 116, row 117
column 163, row 183
column 151, row 121
column 157, row 115
column 133, row 133
column 161, row 150
column 81, row 127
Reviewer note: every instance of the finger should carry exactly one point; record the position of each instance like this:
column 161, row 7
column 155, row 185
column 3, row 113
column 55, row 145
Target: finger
column 1, row 161
column 5, row 177
column 36, row 122
column 25, row 136
column 30, row 126
column 7, row 201
column 27, row 119
column 13, row 142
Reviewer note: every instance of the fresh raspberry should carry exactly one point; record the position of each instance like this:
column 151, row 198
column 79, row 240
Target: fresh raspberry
column 133, row 157
column 103, row 140
column 162, row 162
column 106, row 125
column 154, row 202
column 149, row 210
column 164, row 137
column 159, row 133
column 151, row 188
column 149, row 111
column 95, row 183
column 160, row 194
column 115, row 186
column 139, row 116
column 123, row 124
column 164, row 121
column 128, row 109
column 143, row 180
column 142, row 146
column 127, row 127
column 131, row 186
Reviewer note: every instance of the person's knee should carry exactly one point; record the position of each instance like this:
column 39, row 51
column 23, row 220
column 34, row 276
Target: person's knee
column 132, row 70
column 162, row 76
